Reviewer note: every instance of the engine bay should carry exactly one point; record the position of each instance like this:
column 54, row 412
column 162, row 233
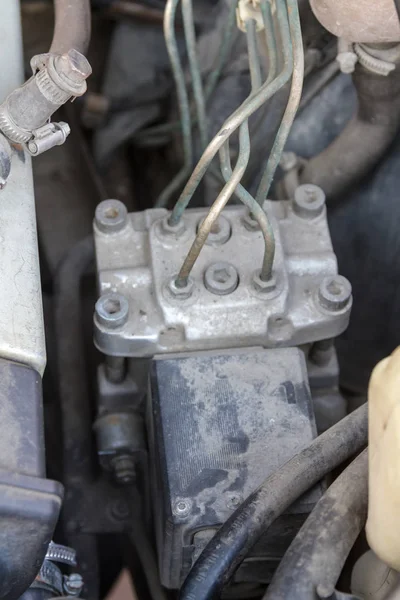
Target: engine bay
column 199, row 302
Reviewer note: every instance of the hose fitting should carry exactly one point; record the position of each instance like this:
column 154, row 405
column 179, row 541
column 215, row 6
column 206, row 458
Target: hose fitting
column 57, row 78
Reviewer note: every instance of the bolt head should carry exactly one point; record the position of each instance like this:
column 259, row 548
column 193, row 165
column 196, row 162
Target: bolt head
column 73, row 584
column 112, row 310
column 309, row 201
column 335, row 293
column 182, row 508
column 180, row 293
column 265, row 287
column 74, row 66
column 220, row 232
column 221, row 278
column 111, row 216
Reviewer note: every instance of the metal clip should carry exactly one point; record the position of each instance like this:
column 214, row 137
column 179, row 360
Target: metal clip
column 48, row 136
column 249, row 10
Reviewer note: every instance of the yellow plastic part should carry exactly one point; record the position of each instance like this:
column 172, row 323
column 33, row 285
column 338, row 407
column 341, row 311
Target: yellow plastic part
column 383, row 525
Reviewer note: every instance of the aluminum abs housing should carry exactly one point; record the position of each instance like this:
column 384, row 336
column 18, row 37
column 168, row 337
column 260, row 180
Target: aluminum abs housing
column 141, row 314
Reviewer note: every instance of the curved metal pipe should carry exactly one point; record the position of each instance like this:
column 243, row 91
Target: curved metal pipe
column 317, row 555
column 296, row 89
column 364, row 140
column 72, row 26
column 244, row 112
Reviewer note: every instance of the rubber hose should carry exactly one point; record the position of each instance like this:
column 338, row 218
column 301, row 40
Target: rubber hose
column 72, row 26
column 232, row 542
column 317, row 555
column 364, row 140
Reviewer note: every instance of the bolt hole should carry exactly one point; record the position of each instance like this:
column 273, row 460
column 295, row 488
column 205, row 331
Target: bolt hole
column 112, row 306
column 111, row 213
column 221, row 276
column 334, row 288
column 310, row 196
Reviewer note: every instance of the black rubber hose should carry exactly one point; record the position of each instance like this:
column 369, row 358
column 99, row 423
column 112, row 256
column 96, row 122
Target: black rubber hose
column 229, row 546
column 72, row 26
column 78, row 468
column 317, row 555
column 364, row 140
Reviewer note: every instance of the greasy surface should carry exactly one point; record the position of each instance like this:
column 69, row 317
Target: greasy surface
column 359, row 20
column 384, row 447
column 224, row 422
column 233, row 541
column 317, row 555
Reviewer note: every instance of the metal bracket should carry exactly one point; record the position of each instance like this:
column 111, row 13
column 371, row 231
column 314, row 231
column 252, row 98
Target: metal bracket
column 249, row 10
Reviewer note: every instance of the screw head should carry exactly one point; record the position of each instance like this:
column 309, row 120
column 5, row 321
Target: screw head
column 334, row 293
column 264, row 286
column 112, row 310
column 221, row 278
column 73, row 584
column 309, row 201
column 182, row 508
column 74, row 65
column 124, row 468
column 111, row 216
column 180, row 293
column 220, row 232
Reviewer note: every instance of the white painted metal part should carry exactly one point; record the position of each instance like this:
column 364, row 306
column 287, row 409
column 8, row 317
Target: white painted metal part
column 21, row 313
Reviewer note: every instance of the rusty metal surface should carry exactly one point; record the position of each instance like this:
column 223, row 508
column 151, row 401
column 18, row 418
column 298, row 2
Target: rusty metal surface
column 368, row 21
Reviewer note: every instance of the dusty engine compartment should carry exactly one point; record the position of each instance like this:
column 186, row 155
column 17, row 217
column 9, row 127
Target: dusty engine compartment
column 199, row 262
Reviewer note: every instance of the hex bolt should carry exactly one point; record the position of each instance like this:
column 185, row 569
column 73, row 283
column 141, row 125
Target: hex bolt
column 309, row 201
column 221, row 278
column 124, row 469
column 74, row 66
column 73, row 584
column 180, row 293
column 112, row 310
column 172, row 230
column 264, row 286
column 182, row 508
column 111, row 216
column 334, row 293
column 220, row 232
